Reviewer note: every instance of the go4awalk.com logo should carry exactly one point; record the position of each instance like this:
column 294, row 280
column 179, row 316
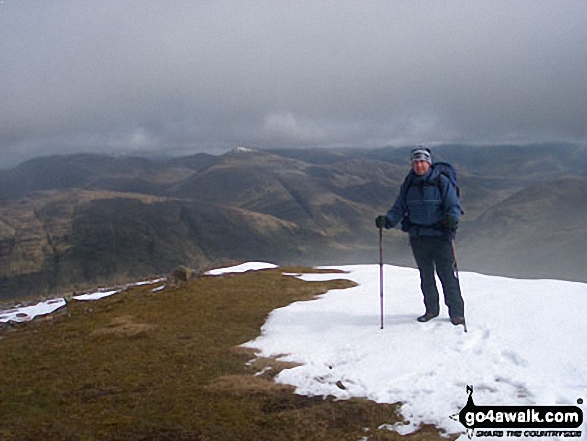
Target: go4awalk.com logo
column 520, row 421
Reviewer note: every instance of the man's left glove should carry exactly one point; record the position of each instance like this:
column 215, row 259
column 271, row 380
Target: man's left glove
column 381, row 221
column 451, row 224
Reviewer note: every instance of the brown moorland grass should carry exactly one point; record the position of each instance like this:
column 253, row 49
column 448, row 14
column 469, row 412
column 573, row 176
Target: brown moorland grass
column 164, row 365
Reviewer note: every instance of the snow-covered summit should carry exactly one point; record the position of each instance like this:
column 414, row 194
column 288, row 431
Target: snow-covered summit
column 525, row 343
column 240, row 150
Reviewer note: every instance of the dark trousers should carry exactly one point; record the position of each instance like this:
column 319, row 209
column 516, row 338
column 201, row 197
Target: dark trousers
column 435, row 253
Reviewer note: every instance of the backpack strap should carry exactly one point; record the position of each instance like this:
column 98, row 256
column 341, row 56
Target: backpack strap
column 406, row 223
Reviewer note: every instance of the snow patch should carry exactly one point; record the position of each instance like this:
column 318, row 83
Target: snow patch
column 525, row 344
column 249, row 266
column 29, row 312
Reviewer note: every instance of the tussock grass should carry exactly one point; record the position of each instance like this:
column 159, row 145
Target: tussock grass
column 164, row 365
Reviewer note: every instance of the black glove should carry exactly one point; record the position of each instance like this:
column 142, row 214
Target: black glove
column 381, row 221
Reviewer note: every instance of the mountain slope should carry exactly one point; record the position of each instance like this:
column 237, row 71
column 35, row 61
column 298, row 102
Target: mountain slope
column 87, row 171
column 69, row 240
column 178, row 345
column 540, row 227
column 74, row 238
column 334, row 202
column 70, row 220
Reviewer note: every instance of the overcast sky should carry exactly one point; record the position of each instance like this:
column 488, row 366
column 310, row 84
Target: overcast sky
column 209, row 75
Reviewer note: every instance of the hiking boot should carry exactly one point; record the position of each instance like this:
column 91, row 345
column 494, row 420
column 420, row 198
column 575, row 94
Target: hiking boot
column 457, row 321
column 428, row 316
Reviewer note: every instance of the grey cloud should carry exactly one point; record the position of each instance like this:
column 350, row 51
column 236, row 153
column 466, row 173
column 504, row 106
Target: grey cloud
column 124, row 76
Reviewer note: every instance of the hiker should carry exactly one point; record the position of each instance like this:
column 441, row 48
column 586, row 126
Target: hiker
column 428, row 208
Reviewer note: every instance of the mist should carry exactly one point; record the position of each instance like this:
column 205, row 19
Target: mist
column 150, row 77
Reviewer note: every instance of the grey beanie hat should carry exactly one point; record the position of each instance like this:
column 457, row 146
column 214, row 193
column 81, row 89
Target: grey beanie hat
column 421, row 154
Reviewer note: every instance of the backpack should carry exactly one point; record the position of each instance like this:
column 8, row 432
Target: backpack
column 445, row 169
column 450, row 172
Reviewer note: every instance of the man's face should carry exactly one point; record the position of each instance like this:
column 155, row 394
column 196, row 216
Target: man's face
column 420, row 167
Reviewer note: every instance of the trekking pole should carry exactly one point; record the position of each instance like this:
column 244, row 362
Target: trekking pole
column 454, row 257
column 456, row 272
column 381, row 273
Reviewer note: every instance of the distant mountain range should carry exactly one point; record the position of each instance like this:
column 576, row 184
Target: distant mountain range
column 69, row 222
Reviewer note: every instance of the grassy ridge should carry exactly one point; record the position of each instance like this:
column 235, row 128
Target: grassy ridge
column 164, row 365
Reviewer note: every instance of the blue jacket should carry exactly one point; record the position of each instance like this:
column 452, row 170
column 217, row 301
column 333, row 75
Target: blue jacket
column 424, row 202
